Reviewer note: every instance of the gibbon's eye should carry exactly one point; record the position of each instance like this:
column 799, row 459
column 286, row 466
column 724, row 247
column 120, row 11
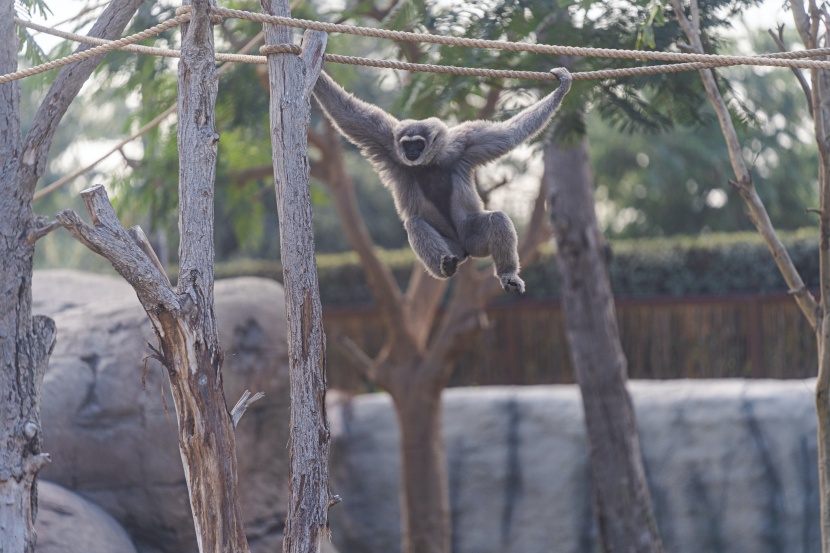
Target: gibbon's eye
column 413, row 148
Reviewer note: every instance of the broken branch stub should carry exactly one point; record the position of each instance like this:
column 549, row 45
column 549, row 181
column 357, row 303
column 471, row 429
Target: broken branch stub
column 110, row 240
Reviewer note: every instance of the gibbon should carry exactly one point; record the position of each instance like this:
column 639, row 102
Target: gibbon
column 429, row 167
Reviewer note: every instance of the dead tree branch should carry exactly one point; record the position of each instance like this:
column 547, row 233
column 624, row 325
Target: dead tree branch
column 291, row 79
column 757, row 210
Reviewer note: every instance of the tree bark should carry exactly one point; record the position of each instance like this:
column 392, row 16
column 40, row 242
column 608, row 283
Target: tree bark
column 808, row 26
column 184, row 319
column 291, row 79
column 425, row 512
column 26, row 341
column 621, row 497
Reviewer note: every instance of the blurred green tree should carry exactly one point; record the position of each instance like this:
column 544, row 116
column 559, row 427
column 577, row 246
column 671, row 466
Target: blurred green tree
column 676, row 182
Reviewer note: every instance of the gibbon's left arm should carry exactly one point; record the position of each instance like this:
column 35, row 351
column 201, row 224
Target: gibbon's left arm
column 485, row 141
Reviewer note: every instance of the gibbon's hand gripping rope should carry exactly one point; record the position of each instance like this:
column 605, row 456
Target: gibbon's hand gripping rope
column 688, row 62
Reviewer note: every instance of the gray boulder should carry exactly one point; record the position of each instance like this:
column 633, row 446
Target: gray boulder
column 731, row 464
column 114, row 441
column 68, row 523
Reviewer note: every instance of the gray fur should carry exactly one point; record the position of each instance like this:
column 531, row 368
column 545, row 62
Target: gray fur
column 435, row 192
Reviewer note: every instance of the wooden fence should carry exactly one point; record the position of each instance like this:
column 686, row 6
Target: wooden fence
column 699, row 337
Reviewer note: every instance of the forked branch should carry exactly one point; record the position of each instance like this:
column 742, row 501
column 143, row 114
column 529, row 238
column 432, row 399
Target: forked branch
column 110, row 240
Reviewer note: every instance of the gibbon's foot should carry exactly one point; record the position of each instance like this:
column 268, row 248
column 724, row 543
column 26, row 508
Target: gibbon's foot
column 449, row 264
column 512, row 279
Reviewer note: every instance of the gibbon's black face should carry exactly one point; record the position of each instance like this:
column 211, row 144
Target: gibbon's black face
column 419, row 142
column 413, row 147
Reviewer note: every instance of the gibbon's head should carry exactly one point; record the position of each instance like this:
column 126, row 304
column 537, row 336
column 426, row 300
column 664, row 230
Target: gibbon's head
column 418, row 142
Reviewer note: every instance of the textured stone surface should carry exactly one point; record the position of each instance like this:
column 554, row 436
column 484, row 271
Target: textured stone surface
column 68, row 523
column 731, row 464
column 114, row 442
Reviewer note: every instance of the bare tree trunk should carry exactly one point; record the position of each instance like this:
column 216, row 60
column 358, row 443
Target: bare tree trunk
column 809, row 26
column 291, row 79
column 184, row 319
column 621, row 497
column 425, row 512
column 26, row 341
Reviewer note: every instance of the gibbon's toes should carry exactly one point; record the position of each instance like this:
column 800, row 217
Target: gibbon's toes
column 449, row 264
column 510, row 279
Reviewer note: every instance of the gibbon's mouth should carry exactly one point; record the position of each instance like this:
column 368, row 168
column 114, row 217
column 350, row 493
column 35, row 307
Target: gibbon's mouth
column 413, row 148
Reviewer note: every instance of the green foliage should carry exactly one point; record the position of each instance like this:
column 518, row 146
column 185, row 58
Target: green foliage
column 32, row 51
column 677, row 183
column 714, row 264
column 645, row 104
column 642, row 201
column 645, row 35
column 341, row 276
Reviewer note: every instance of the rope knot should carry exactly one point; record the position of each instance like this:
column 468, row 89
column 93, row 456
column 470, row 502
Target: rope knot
column 215, row 18
column 280, row 49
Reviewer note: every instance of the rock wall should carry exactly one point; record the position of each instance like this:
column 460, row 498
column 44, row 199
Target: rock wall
column 112, row 439
column 68, row 523
column 731, row 464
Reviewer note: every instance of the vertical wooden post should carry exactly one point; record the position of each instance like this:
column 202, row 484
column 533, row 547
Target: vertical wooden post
column 291, row 80
column 190, row 342
column 184, row 319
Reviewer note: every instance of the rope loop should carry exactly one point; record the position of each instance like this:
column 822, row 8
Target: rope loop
column 280, row 49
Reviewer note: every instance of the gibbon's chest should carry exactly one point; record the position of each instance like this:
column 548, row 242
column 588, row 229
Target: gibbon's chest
column 436, row 187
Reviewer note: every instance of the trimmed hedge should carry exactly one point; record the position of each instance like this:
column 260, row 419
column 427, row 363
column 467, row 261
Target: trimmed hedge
column 712, row 264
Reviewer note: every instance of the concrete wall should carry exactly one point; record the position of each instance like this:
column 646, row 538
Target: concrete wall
column 731, row 465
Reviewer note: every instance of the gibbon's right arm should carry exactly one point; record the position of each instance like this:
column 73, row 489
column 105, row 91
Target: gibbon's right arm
column 485, row 141
column 364, row 124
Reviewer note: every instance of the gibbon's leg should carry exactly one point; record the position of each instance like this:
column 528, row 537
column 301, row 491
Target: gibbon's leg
column 492, row 233
column 439, row 255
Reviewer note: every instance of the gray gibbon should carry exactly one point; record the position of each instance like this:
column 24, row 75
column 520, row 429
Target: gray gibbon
column 429, row 167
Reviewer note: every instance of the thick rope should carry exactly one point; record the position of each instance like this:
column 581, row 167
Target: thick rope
column 97, row 51
column 780, row 59
column 128, row 44
column 66, row 179
column 163, row 52
column 406, row 66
